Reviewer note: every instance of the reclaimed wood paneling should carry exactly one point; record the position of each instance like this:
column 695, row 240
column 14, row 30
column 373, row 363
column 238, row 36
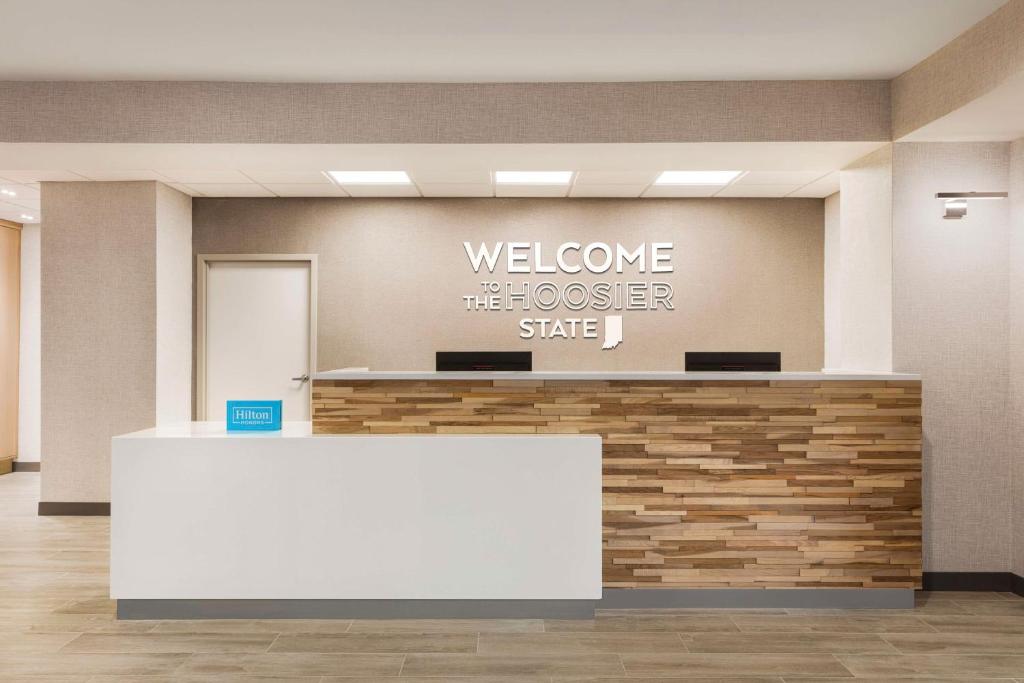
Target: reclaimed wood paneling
column 736, row 484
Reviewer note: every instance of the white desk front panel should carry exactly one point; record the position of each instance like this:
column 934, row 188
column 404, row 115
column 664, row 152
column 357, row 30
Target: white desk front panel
column 200, row 514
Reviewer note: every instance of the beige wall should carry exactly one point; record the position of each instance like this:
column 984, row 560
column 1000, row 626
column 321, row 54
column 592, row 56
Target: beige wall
column 865, row 264
column 748, row 274
column 832, row 290
column 100, row 297
column 28, row 358
column 951, row 288
column 1016, row 420
column 390, row 113
column 173, row 306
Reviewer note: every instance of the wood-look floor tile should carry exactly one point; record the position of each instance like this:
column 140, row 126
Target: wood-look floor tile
column 288, row 664
column 503, row 665
column 34, row 643
column 92, row 606
column 834, row 623
column 437, row 679
column 170, row 642
column 960, row 667
column 889, row 679
column 695, row 665
column 15, row 664
column 212, row 678
column 856, row 643
column 446, row 625
column 957, row 643
column 960, row 623
column 624, row 623
column 376, row 642
column 578, row 643
column 1006, row 608
column 252, row 626
column 716, row 679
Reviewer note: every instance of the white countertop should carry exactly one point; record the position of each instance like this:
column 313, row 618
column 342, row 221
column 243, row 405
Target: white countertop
column 296, row 430
column 655, row 375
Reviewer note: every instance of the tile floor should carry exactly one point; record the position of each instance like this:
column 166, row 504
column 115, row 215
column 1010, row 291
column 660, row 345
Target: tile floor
column 56, row 624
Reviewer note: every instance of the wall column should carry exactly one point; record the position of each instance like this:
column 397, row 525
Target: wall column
column 116, row 328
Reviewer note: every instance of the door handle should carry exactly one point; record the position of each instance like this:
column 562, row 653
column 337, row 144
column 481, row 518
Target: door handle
column 304, row 378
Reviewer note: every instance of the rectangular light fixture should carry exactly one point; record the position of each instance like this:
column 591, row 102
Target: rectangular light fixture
column 955, row 203
column 369, row 177
column 532, row 177
column 696, row 177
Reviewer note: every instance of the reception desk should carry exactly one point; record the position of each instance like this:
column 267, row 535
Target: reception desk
column 718, row 488
column 213, row 524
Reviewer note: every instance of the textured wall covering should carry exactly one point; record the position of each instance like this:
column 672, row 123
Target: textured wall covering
column 865, row 263
column 1016, row 419
column 951, row 293
column 98, row 329
column 100, row 305
column 966, row 68
column 444, row 112
column 706, row 484
column 748, row 274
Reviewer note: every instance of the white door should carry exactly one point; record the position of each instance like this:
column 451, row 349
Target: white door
column 258, row 335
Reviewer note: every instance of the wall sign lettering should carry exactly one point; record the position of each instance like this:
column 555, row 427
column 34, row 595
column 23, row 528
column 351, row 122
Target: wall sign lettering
column 580, row 299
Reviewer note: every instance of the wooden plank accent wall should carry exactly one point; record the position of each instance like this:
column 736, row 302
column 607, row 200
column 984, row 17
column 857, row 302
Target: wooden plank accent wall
column 739, row 484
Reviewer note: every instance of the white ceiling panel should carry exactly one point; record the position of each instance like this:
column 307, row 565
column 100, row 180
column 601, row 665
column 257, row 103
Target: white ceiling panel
column 25, row 203
column 822, row 187
column 756, row 190
column 231, row 189
column 456, row 189
column 779, row 177
column 681, row 190
column 531, row 190
column 305, row 190
column 185, row 189
column 40, row 176
column 20, row 191
column 382, row 190
column 14, row 213
column 115, row 175
column 616, row 190
column 642, row 178
column 280, row 177
column 209, row 176
column 439, row 175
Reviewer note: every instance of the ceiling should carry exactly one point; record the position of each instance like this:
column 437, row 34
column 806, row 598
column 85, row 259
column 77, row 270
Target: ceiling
column 799, row 169
column 476, row 40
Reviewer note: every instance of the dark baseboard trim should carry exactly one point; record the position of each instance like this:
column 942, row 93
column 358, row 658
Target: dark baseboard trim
column 757, row 598
column 355, row 609
column 999, row 582
column 57, row 509
column 20, row 466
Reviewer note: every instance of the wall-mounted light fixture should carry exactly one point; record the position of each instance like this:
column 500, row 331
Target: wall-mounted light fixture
column 956, row 202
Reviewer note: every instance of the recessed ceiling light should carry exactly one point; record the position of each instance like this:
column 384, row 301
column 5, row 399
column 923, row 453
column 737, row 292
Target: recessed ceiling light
column 370, row 177
column 533, row 177
column 696, row 177
column 26, row 217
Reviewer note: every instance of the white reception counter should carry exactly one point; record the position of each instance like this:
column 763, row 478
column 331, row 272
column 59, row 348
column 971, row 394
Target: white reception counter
column 207, row 523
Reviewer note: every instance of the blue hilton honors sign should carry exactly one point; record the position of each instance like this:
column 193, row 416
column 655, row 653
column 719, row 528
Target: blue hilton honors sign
column 578, row 309
column 248, row 416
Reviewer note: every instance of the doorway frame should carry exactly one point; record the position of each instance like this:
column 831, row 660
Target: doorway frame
column 203, row 262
